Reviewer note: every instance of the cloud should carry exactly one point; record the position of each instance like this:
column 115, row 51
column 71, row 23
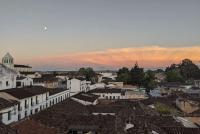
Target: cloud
column 148, row 57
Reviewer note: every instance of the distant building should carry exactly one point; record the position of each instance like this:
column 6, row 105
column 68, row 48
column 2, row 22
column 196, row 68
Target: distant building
column 109, row 93
column 77, row 85
column 48, row 82
column 31, row 74
column 22, row 68
column 24, row 81
column 86, row 98
column 8, row 61
column 197, row 83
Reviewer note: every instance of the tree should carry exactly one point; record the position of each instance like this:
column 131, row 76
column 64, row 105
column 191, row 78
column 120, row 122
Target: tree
column 188, row 69
column 137, row 75
column 123, row 75
column 88, row 73
column 149, row 81
column 174, row 76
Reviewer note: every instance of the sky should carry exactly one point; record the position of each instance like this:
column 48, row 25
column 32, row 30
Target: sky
column 103, row 34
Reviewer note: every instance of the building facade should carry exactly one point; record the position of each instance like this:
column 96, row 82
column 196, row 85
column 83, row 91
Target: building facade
column 7, row 77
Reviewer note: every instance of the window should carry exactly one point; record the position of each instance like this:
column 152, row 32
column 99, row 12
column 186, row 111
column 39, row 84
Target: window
column 9, row 115
column 26, row 104
column 36, row 110
column 37, row 101
column 18, row 84
column 32, row 102
column 31, row 112
column 19, row 108
column 40, row 108
column 26, row 114
column 46, row 96
column 19, row 116
column 7, row 83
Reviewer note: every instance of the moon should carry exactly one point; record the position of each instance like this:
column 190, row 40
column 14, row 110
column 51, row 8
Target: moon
column 45, row 28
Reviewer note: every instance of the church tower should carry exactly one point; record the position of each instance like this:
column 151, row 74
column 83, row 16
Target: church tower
column 8, row 61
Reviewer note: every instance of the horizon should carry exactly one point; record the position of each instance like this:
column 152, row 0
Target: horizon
column 67, row 35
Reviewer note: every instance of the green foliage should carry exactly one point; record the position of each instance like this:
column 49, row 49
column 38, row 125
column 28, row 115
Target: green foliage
column 149, row 80
column 186, row 70
column 174, row 76
column 137, row 75
column 123, row 75
column 165, row 109
column 87, row 72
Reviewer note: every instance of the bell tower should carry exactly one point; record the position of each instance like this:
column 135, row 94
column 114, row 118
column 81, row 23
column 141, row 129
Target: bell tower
column 8, row 61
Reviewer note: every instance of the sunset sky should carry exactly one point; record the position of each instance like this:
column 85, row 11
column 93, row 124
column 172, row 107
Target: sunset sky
column 104, row 34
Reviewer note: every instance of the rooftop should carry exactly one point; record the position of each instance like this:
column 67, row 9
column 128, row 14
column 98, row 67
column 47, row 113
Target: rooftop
column 4, row 129
column 7, row 103
column 86, row 97
column 107, row 90
column 71, row 115
column 56, row 90
column 26, row 92
column 23, row 66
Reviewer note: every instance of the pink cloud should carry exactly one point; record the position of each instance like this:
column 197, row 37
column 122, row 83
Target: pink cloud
column 153, row 56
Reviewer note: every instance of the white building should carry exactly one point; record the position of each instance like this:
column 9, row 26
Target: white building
column 31, row 74
column 7, row 77
column 86, row 98
column 8, row 110
column 77, row 85
column 97, row 85
column 8, row 61
column 197, row 83
column 57, row 95
column 24, row 81
column 109, row 93
column 48, row 82
column 22, row 68
column 28, row 101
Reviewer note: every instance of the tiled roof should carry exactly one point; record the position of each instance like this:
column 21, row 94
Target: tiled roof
column 23, row 66
column 26, row 92
column 86, row 97
column 7, row 103
column 21, row 78
column 27, row 73
column 70, row 115
column 78, row 78
column 107, row 90
column 4, row 129
column 45, row 79
column 181, row 130
column 56, row 90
